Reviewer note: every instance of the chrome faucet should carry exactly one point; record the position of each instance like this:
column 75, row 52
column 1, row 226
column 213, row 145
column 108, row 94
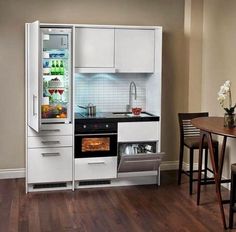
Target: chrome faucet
column 132, row 86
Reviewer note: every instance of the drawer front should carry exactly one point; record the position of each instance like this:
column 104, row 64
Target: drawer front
column 49, row 165
column 138, row 131
column 52, row 129
column 50, row 141
column 140, row 162
column 95, row 168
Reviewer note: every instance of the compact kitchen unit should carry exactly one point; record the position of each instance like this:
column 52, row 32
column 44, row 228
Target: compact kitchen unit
column 68, row 150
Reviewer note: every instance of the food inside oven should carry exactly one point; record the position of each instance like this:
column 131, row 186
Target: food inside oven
column 95, row 144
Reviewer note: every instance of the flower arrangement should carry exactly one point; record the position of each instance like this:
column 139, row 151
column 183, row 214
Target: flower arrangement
column 225, row 90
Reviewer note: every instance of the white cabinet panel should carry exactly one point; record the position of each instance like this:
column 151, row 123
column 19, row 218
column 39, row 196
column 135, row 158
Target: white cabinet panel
column 134, row 50
column 50, row 141
column 138, row 131
column 49, row 165
column 32, row 73
column 95, row 168
column 52, row 129
column 94, row 47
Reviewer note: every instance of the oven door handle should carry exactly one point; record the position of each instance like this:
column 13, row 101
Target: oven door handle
column 97, row 134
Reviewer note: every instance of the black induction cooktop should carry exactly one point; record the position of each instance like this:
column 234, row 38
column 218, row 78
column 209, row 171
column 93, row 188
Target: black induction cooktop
column 116, row 117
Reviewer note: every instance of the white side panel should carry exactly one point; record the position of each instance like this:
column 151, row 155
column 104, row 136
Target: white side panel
column 94, row 47
column 134, row 50
column 33, row 75
column 138, row 131
column 95, row 168
column 49, row 165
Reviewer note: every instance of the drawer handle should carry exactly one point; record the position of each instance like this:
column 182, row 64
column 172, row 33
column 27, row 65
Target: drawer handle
column 50, row 130
column 50, row 142
column 50, row 154
column 140, row 161
column 99, row 162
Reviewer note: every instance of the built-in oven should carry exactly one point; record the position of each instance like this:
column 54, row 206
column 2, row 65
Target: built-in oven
column 95, row 139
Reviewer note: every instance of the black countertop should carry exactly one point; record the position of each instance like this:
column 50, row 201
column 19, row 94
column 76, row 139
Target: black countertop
column 115, row 117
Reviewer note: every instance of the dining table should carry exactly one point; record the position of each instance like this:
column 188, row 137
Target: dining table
column 210, row 126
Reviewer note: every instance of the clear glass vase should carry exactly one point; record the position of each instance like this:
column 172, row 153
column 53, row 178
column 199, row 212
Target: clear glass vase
column 229, row 120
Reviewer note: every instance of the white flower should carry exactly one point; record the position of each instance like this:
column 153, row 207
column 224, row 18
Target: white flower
column 225, row 91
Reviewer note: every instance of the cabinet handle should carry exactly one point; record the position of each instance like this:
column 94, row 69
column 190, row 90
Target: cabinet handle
column 50, row 130
column 50, row 142
column 141, row 161
column 99, row 162
column 51, row 154
column 34, row 110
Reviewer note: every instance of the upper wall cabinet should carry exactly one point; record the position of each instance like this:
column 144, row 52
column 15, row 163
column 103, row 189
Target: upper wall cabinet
column 94, row 49
column 134, row 50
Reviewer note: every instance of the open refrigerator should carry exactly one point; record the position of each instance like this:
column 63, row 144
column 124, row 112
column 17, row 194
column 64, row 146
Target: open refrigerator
column 56, row 75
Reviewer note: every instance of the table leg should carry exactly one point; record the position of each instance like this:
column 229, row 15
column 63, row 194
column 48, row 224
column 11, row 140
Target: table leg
column 200, row 167
column 217, row 172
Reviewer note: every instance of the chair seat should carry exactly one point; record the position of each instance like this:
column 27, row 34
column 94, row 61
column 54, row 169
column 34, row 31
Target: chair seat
column 194, row 142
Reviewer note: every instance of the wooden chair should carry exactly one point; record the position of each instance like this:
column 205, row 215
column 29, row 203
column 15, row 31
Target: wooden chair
column 232, row 208
column 190, row 138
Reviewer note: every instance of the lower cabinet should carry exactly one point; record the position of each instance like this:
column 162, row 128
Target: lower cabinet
column 49, row 165
column 95, row 168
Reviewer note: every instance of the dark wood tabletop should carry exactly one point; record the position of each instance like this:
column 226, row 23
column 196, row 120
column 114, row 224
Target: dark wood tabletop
column 214, row 125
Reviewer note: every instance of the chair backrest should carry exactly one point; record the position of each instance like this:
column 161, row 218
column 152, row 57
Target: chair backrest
column 185, row 125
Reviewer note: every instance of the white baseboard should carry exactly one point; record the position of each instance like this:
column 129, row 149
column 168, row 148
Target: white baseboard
column 20, row 172
column 169, row 165
column 12, row 173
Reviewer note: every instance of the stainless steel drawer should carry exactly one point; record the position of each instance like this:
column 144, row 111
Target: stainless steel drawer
column 140, row 162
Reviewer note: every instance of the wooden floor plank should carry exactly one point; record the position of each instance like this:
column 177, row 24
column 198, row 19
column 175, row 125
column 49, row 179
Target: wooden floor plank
column 122, row 209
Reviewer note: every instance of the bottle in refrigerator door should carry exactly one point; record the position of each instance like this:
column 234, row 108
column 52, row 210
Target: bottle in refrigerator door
column 61, row 68
column 53, row 68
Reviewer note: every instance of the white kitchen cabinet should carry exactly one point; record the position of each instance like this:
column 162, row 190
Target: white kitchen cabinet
column 134, row 50
column 94, row 48
column 50, row 141
column 138, row 131
column 48, row 165
column 95, row 168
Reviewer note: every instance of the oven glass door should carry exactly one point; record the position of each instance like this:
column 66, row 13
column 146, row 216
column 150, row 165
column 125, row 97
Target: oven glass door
column 87, row 146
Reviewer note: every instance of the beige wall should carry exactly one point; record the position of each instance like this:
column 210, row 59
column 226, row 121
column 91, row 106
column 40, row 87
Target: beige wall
column 219, row 59
column 14, row 14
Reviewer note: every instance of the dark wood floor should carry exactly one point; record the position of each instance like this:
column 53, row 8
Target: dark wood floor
column 139, row 208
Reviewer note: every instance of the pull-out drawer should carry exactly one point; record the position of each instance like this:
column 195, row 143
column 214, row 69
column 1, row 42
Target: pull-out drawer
column 52, row 129
column 95, row 168
column 49, row 165
column 140, row 162
column 50, row 141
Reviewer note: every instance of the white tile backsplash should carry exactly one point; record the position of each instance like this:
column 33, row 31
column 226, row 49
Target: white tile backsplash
column 109, row 92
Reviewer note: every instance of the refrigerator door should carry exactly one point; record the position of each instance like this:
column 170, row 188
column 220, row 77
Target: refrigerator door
column 56, row 75
column 32, row 72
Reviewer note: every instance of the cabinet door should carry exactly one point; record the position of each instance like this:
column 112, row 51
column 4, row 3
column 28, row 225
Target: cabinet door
column 32, row 72
column 138, row 131
column 94, row 48
column 134, row 50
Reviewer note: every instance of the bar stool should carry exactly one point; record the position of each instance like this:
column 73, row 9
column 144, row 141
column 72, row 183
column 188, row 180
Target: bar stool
column 232, row 208
column 190, row 138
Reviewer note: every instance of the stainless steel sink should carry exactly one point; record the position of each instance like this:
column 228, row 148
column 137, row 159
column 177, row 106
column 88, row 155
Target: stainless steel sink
column 129, row 114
